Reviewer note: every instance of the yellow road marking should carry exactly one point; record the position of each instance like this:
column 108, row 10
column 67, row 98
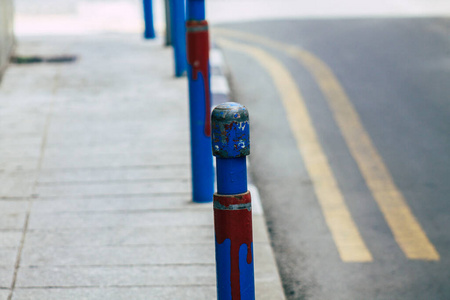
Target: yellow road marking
column 407, row 231
column 349, row 242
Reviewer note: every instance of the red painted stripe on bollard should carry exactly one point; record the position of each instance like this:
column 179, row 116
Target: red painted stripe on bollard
column 197, row 43
column 233, row 220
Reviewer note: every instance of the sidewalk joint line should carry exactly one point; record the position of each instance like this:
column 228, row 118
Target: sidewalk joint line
column 138, row 265
column 115, row 286
column 38, row 169
column 115, row 195
column 118, row 181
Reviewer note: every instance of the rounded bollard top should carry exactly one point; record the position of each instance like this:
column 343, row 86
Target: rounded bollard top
column 230, row 130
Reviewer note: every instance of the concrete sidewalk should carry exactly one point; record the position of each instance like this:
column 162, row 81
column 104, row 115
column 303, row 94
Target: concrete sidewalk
column 95, row 178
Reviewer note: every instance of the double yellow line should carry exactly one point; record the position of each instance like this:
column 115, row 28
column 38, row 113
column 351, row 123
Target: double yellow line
column 351, row 247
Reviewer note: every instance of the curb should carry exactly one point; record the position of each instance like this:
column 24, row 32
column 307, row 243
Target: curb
column 220, row 89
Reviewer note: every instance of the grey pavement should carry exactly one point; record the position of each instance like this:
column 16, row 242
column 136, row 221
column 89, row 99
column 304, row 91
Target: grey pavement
column 95, row 198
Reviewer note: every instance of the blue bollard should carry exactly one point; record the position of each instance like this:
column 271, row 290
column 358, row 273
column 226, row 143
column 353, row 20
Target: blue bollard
column 149, row 32
column 232, row 203
column 196, row 10
column 199, row 102
column 178, row 36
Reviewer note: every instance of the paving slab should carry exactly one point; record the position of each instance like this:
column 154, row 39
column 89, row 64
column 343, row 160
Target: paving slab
column 20, row 152
column 8, row 256
column 12, row 207
column 120, row 219
column 206, row 292
column 26, row 163
column 111, row 204
column 68, row 160
column 4, row 294
column 13, row 221
column 122, row 147
column 122, row 236
column 10, row 239
column 115, row 166
column 63, row 142
column 117, row 188
column 149, row 169
column 6, row 275
column 117, row 276
column 139, row 255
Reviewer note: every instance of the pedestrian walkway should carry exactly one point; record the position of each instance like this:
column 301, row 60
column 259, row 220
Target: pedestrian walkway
column 95, row 189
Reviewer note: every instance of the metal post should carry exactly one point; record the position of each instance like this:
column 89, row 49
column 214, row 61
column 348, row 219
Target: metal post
column 149, row 32
column 232, row 203
column 168, row 23
column 199, row 102
column 178, row 36
column 196, row 10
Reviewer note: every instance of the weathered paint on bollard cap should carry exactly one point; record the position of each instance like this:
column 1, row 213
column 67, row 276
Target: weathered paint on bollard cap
column 230, row 130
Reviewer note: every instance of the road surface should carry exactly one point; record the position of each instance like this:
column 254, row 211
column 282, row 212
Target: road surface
column 351, row 150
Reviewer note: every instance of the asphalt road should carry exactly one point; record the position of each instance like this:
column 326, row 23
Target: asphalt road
column 350, row 133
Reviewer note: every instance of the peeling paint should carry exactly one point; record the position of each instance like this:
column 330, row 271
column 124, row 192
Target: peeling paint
column 230, row 130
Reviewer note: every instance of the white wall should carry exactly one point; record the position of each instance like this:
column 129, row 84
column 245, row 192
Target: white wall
column 223, row 11
column 65, row 17
column 6, row 32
